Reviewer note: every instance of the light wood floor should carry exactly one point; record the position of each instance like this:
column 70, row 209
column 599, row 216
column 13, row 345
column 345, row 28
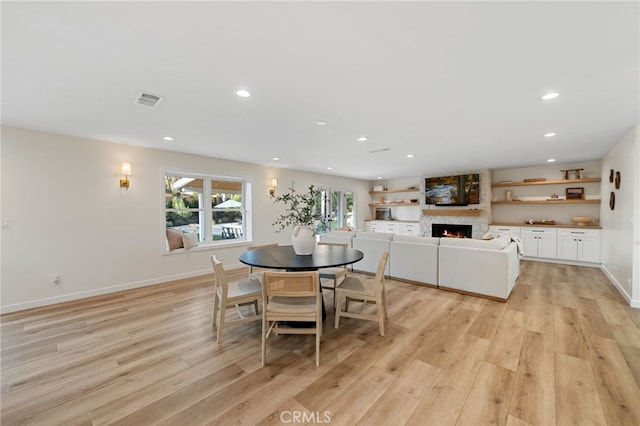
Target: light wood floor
column 563, row 350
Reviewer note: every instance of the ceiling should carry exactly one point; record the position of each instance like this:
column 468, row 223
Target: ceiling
column 456, row 84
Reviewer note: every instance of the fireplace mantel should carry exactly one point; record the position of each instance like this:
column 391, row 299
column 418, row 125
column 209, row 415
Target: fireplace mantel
column 451, row 212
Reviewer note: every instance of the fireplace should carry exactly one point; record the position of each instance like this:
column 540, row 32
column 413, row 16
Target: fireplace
column 451, row 231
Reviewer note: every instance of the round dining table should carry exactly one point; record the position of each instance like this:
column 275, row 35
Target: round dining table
column 284, row 257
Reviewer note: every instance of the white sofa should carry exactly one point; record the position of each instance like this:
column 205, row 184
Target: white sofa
column 488, row 268
column 372, row 244
column 341, row 237
column 414, row 259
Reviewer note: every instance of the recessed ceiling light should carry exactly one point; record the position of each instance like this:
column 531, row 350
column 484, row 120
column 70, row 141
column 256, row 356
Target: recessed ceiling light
column 379, row 177
column 410, row 155
column 276, row 158
column 551, row 160
column 167, row 138
column 329, row 168
column 549, row 96
column 243, row 93
column 363, row 139
column 549, row 135
column 321, row 123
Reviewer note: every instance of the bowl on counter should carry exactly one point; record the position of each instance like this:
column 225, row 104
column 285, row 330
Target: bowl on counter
column 583, row 220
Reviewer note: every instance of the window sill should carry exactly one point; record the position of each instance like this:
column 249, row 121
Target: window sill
column 207, row 247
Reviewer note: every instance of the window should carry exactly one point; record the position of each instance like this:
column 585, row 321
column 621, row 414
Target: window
column 339, row 205
column 215, row 208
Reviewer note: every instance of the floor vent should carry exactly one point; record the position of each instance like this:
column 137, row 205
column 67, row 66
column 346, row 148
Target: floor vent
column 147, row 99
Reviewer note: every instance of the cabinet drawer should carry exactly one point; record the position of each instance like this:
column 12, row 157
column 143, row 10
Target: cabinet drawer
column 538, row 231
column 577, row 232
column 496, row 229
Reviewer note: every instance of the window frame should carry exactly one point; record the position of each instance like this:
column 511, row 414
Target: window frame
column 206, row 210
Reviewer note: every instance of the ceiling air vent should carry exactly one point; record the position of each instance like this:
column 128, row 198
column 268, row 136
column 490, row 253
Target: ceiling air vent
column 147, row 99
column 375, row 151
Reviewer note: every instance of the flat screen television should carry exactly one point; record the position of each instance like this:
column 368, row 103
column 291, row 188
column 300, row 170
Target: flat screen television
column 456, row 190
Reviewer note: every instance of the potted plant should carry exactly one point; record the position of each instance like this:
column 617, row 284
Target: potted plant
column 304, row 213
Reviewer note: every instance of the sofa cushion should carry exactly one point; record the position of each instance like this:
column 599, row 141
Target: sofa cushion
column 416, row 239
column 494, row 244
column 375, row 235
column 174, row 239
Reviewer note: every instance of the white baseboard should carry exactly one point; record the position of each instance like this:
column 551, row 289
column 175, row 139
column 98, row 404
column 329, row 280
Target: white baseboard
column 634, row 303
column 100, row 291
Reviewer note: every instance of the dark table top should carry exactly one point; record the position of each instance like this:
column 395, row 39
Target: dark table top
column 283, row 257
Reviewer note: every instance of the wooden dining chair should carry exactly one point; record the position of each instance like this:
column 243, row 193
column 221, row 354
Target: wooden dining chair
column 291, row 297
column 256, row 273
column 367, row 290
column 232, row 295
column 333, row 273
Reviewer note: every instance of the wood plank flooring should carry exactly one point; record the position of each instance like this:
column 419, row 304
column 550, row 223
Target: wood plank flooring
column 563, row 350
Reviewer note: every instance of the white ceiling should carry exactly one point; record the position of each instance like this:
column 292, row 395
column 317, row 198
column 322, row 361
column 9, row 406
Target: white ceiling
column 457, row 84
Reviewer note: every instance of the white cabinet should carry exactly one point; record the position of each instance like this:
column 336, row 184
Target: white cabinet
column 399, row 228
column 539, row 242
column 580, row 245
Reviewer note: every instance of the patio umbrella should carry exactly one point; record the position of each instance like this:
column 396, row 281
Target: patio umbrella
column 228, row 204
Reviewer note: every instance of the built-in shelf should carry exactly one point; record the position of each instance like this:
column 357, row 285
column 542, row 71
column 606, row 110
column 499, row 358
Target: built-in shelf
column 392, row 191
column 557, row 225
column 451, row 212
column 595, row 201
column 545, row 182
column 392, row 204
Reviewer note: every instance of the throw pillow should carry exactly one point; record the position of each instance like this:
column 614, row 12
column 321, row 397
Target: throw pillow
column 189, row 239
column 174, row 239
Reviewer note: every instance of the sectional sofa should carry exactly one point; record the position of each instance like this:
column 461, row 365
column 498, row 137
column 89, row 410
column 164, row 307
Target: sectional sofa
column 486, row 268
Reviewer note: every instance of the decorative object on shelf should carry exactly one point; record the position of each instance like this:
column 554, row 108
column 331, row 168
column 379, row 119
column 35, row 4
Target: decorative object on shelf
column 553, row 197
column 303, row 212
column 612, row 200
column 534, row 180
column 583, row 220
column 508, row 195
column 414, row 201
column 575, row 193
column 617, row 180
column 541, row 222
column 567, row 171
column 378, row 188
column 611, row 176
column 383, row 214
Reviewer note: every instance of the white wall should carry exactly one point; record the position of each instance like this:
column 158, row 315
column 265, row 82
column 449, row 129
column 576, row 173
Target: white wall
column 69, row 217
column 621, row 233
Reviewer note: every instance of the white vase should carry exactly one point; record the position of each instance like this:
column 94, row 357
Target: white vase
column 303, row 239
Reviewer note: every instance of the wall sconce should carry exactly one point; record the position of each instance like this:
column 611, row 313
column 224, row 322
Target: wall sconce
column 273, row 187
column 126, row 171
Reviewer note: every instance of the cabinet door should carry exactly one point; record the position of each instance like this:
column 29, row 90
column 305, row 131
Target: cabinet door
column 547, row 245
column 412, row 229
column 390, row 227
column 567, row 246
column 530, row 244
column 589, row 249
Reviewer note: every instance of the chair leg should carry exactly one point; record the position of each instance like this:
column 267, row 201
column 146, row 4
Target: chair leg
column 264, row 339
column 318, row 335
column 255, row 306
column 338, row 304
column 221, row 315
column 381, row 316
column 215, row 309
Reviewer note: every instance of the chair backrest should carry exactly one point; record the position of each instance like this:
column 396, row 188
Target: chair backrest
column 291, row 284
column 379, row 278
column 220, row 277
